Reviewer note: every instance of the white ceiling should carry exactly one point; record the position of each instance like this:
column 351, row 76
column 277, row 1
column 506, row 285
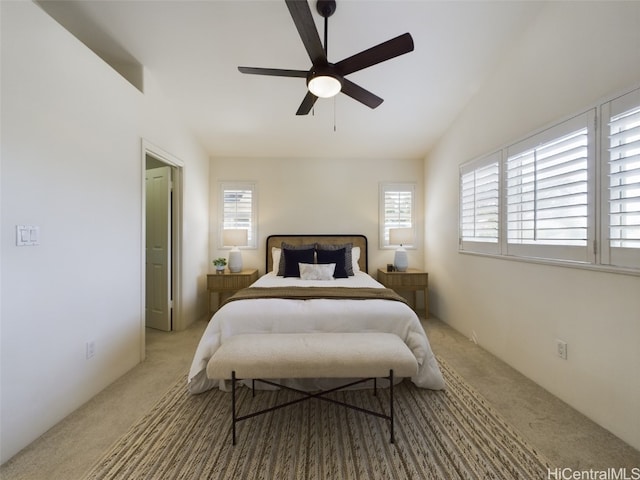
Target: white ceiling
column 192, row 50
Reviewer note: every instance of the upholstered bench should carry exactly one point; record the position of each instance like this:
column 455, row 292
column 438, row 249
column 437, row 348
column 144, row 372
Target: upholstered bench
column 265, row 357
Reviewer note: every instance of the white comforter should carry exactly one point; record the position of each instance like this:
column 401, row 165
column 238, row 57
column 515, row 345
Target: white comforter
column 317, row 315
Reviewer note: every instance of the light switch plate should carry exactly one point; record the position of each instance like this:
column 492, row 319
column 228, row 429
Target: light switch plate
column 27, row 235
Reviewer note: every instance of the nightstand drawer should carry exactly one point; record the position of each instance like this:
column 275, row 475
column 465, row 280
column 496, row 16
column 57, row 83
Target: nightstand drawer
column 411, row 278
column 395, row 280
column 231, row 281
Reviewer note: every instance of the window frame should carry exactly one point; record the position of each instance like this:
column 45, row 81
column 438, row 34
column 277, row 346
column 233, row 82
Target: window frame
column 383, row 220
column 562, row 252
column 225, row 186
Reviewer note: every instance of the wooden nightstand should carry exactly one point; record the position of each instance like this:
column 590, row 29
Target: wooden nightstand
column 228, row 283
column 413, row 280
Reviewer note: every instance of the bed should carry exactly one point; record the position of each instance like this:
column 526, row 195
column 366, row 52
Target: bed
column 290, row 304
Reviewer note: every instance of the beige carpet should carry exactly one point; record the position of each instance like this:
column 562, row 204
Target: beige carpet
column 452, row 434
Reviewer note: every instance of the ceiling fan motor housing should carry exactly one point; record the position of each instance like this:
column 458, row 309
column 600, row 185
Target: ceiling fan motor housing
column 326, row 8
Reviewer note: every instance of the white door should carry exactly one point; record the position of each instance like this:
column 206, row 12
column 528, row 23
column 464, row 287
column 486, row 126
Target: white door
column 158, row 248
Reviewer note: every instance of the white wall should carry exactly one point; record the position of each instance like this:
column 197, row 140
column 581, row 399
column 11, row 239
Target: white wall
column 72, row 131
column 315, row 195
column 572, row 56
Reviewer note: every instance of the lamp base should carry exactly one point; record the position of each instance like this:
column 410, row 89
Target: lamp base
column 235, row 261
column 400, row 260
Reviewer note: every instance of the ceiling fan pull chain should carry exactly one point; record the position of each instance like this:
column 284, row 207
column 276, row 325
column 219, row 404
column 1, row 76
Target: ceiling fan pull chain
column 334, row 114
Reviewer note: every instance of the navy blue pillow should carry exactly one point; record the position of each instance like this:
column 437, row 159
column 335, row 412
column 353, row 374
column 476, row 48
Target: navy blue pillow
column 334, row 256
column 348, row 255
column 283, row 246
column 293, row 257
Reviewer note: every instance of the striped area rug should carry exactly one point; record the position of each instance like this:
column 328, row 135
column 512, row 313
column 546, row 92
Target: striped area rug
column 450, row 434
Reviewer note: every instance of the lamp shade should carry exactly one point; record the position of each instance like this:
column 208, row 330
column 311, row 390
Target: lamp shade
column 401, row 236
column 235, row 237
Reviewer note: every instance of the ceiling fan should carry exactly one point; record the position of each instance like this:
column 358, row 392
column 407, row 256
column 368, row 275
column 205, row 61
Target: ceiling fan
column 326, row 79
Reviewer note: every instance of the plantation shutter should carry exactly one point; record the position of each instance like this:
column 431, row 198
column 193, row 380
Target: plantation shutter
column 397, row 208
column 479, row 205
column 548, row 193
column 238, row 209
column 623, row 186
column 568, row 194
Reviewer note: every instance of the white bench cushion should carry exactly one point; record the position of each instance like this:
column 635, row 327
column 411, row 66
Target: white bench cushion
column 312, row 355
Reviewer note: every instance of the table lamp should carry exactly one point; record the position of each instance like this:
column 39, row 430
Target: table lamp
column 235, row 237
column 401, row 236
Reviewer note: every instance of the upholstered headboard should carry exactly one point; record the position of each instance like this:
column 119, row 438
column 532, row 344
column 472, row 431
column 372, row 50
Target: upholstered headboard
column 356, row 240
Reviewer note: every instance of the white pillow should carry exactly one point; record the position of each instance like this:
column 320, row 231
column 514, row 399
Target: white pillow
column 275, row 258
column 317, row 271
column 355, row 257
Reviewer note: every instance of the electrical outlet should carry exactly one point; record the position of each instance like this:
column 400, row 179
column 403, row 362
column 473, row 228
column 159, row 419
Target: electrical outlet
column 561, row 348
column 91, row 349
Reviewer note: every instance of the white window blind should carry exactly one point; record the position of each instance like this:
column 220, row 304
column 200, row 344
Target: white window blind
column 397, row 208
column 479, row 204
column 547, row 193
column 623, row 180
column 238, row 209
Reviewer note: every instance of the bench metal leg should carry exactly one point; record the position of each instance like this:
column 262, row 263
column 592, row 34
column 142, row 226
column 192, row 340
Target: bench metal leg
column 233, row 406
column 391, row 404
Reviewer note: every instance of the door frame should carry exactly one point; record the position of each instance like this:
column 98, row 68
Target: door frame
column 151, row 150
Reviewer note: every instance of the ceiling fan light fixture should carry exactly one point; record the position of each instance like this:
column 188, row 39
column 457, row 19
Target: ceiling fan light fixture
column 324, row 84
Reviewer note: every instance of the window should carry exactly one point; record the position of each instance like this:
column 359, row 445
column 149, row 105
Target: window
column 569, row 193
column 621, row 163
column 397, row 209
column 479, row 204
column 237, row 209
column 547, row 192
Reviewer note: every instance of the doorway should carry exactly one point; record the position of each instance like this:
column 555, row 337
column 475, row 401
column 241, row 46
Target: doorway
column 161, row 243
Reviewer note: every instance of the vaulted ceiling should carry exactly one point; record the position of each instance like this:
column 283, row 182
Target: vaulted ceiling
column 192, row 50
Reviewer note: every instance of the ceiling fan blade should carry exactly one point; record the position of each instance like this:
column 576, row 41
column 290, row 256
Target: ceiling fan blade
column 275, row 72
column 360, row 94
column 303, row 20
column 307, row 104
column 380, row 53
